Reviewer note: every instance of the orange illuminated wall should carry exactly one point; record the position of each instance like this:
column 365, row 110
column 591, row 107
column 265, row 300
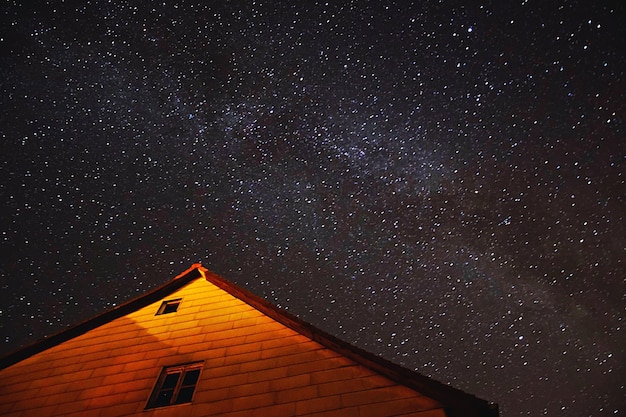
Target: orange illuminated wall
column 252, row 366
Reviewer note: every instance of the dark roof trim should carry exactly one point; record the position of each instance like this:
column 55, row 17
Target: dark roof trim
column 457, row 402
column 146, row 299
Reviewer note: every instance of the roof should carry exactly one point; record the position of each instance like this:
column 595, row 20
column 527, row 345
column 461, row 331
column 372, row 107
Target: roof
column 456, row 401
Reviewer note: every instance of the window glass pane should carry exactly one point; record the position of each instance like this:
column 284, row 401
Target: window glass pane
column 170, row 381
column 191, row 377
column 176, row 385
column 170, row 307
column 184, row 395
column 163, row 398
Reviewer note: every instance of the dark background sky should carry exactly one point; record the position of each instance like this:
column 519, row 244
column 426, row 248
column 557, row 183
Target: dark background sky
column 441, row 184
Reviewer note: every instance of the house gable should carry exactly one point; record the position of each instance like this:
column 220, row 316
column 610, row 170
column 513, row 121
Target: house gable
column 256, row 360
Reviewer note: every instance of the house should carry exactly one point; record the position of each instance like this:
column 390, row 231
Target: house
column 201, row 346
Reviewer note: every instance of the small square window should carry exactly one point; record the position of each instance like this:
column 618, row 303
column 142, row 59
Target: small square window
column 169, row 306
column 175, row 385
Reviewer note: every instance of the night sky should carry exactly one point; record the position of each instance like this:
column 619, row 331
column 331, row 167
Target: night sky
column 441, row 184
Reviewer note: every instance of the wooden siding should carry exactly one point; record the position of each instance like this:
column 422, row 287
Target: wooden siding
column 253, row 366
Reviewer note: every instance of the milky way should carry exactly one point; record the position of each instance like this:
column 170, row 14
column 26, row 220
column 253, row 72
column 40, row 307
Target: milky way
column 441, row 184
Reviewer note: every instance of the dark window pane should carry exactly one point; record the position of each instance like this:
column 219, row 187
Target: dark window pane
column 184, row 395
column 175, row 385
column 163, row 398
column 170, row 307
column 170, row 381
column 191, row 377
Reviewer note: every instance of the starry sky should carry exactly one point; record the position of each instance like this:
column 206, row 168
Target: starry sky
column 436, row 182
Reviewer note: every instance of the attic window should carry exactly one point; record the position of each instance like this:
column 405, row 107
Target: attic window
column 169, row 306
column 175, row 385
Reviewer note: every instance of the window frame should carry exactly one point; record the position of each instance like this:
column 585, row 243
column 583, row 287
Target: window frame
column 168, row 303
column 156, row 401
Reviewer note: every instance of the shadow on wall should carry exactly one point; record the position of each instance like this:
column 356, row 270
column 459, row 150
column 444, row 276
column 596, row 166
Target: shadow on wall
column 113, row 367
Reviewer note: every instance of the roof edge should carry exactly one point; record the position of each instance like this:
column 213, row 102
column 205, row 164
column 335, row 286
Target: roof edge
column 194, row 272
column 457, row 402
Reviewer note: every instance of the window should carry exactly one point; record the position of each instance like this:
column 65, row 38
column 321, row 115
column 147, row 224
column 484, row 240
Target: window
column 169, row 306
column 175, row 385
